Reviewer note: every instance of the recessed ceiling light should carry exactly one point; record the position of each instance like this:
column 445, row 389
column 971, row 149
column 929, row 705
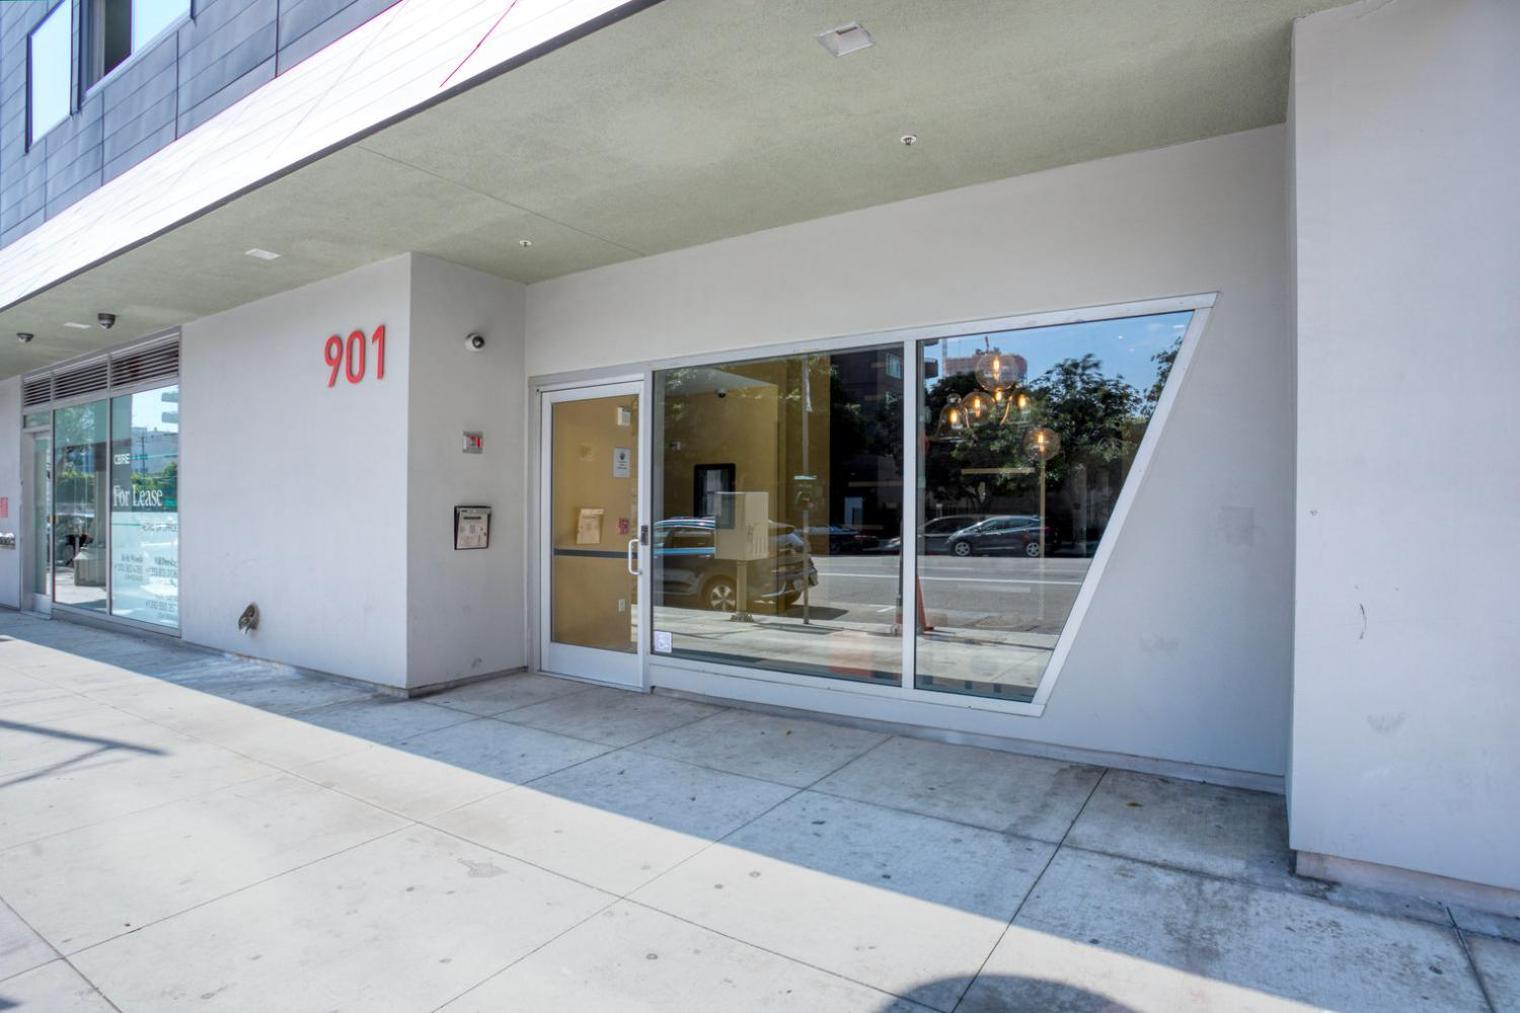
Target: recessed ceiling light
column 845, row 39
column 259, row 254
column 78, row 327
column 525, row 243
column 909, row 140
column 24, row 336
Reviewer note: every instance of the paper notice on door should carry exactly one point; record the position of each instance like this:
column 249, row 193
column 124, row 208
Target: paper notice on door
column 662, row 644
column 588, row 527
column 622, row 462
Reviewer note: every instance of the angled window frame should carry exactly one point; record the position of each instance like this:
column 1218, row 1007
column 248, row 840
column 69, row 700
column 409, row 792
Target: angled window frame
column 906, row 702
column 89, row 31
column 34, row 135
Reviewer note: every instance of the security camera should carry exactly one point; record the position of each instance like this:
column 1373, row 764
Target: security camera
column 24, row 336
column 475, row 342
column 106, row 320
column 722, row 393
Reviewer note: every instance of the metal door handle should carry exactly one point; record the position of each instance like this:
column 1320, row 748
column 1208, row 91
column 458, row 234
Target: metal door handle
column 633, row 555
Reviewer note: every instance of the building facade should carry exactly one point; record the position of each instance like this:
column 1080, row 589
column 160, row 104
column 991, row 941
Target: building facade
column 1100, row 409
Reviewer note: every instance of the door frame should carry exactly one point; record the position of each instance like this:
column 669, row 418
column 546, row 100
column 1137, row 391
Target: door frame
column 34, row 599
column 591, row 664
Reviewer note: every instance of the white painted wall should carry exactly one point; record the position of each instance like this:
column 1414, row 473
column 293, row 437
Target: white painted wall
column 1185, row 654
column 465, row 609
column 295, row 494
column 10, row 487
column 1406, row 722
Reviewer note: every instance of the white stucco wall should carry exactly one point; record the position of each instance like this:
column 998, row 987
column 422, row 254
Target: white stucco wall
column 1185, row 652
column 10, row 487
column 1406, row 723
column 464, row 608
column 294, row 494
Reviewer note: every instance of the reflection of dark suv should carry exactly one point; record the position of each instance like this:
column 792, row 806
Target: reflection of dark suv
column 1007, row 535
column 685, row 568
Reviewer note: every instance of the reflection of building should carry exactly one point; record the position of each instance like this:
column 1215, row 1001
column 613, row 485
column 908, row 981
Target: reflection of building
column 153, row 450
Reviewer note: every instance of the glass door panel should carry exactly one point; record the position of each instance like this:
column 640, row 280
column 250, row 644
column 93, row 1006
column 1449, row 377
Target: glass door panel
column 591, row 533
column 81, row 483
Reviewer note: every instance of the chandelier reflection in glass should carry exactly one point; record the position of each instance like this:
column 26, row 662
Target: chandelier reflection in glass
column 999, row 396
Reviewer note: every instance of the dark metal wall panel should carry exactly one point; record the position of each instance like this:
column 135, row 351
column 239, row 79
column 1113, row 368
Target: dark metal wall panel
column 308, row 25
column 223, row 53
column 193, row 116
column 23, row 174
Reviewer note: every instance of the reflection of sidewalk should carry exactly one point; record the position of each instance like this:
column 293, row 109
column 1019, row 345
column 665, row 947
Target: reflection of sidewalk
column 950, row 656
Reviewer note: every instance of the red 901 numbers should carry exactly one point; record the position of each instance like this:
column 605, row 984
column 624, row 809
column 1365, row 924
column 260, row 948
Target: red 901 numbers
column 348, row 357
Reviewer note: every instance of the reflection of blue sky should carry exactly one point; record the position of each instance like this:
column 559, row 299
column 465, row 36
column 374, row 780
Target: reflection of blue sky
column 1126, row 347
column 153, row 411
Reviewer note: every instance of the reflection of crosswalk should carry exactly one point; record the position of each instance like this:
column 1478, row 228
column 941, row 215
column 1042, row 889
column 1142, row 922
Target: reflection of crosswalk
column 951, row 580
column 1013, row 659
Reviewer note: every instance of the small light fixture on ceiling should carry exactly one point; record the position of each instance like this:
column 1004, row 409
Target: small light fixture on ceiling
column 525, row 243
column 78, row 326
column 908, row 140
column 24, row 336
column 259, row 254
column 106, row 320
column 845, row 39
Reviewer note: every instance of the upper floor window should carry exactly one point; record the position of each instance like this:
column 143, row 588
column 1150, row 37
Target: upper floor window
column 115, row 29
column 47, row 55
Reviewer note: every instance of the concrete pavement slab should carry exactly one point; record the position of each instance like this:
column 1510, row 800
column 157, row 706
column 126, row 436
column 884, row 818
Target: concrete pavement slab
column 1498, row 963
column 1489, row 923
column 88, row 885
column 1155, row 938
column 1204, row 827
column 904, row 903
column 21, row 949
column 615, row 717
column 382, row 719
column 631, row 958
column 52, row 988
column 413, row 786
column 1026, row 795
column 1228, row 832
column 512, row 754
column 114, row 783
column 406, row 922
column 617, row 821
column 505, row 693
column 33, row 742
column 274, row 690
column 17, row 688
column 787, row 750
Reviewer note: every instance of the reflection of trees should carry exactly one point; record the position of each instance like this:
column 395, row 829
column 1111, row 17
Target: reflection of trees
column 1099, row 418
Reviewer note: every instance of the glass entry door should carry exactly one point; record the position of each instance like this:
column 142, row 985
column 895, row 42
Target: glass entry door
column 591, row 527
column 39, row 507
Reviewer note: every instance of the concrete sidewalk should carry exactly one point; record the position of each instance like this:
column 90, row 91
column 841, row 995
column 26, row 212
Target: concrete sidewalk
column 183, row 830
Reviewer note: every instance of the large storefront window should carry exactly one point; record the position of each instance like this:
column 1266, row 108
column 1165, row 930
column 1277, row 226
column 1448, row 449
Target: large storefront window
column 778, row 506
column 80, row 505
column 1027, row 437
column 145, row 506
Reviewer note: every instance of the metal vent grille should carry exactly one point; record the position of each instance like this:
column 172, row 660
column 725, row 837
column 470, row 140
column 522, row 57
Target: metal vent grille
column 38, row 390
column 91, row 378
column 157, row 362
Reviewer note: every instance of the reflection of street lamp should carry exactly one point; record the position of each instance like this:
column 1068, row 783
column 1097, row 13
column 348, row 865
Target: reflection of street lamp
column 952, row 419
column 978, row 407
column 1042, row 444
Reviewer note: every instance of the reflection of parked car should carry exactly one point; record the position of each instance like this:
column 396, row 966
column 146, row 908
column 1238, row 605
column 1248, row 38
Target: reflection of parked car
column 935, row 533
column 686, row 567
column 838, row 540
column 1000, row 536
